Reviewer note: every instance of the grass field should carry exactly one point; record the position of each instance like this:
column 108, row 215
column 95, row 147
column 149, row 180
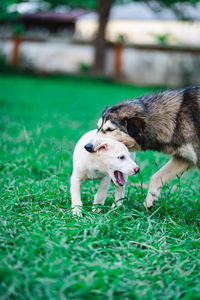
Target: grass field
column 124, row 253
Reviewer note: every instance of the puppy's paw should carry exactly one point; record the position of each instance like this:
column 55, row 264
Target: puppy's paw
column 76, row 211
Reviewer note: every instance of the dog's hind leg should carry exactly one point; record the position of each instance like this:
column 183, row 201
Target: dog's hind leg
column 76, row 194
column 100, row 196
column 173, row 167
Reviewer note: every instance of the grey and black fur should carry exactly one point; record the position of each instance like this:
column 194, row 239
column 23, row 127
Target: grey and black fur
column 165, row 121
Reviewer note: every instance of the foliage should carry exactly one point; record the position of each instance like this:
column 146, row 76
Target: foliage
column 46, row 253
column 84, row 67
column 163, row 38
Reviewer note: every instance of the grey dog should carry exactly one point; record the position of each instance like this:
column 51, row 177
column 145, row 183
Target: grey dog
column 165, row 121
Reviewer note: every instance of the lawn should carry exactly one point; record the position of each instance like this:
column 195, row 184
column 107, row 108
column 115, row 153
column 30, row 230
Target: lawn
column 124, row 253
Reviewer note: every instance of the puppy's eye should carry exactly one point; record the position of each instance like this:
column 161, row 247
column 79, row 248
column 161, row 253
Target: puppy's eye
column 121, row 157
column 109, row 129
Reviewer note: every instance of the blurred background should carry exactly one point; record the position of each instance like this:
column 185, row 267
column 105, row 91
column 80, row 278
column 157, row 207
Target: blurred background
column 151, row 43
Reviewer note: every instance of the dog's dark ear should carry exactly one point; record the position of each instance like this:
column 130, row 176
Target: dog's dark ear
column 135, row 127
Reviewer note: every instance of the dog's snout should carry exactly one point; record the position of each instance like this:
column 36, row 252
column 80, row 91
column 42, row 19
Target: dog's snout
column 136, row 170
column 89, row 147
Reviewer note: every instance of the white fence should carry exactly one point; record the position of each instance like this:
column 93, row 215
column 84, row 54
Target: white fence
column 141, row 65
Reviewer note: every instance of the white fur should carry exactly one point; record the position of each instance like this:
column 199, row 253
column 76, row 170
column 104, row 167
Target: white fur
column 187, row 151
column 99, row 165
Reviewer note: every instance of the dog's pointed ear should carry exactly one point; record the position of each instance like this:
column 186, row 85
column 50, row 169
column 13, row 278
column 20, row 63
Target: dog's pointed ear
column 135, row 126
column 101, row 147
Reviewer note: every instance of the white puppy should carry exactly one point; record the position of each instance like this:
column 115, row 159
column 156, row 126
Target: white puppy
column 110, row 160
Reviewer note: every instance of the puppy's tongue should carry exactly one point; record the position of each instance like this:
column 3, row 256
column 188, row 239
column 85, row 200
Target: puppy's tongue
column 119, row 178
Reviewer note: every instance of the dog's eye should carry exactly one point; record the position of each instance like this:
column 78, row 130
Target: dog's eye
column 121, row 157
column 109, row 129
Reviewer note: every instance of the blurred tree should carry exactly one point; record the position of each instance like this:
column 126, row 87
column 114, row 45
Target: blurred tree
column 103, row 9
column 4, row 13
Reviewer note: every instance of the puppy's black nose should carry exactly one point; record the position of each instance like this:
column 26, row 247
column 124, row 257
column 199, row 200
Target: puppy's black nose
column 89, row 148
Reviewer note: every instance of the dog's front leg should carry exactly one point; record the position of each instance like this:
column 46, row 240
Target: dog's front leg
column 76, row 194
column 173, row 167
column 101, row 193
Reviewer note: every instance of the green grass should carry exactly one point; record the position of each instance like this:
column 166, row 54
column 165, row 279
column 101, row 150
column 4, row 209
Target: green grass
column 46, row 253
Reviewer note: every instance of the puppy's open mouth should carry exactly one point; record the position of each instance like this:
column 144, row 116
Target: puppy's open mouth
column 119, row 178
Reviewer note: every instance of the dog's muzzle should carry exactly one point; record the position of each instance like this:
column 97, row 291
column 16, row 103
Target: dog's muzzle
column 89, row 148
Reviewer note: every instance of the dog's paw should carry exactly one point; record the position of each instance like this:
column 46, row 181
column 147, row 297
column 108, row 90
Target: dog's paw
column 76, row 211
column 150, row 199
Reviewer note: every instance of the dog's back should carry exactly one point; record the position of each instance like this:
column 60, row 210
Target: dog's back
column 173, row 119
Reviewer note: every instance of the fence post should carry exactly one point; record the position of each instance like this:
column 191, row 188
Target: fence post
column 14, row 59
column 118, row 48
